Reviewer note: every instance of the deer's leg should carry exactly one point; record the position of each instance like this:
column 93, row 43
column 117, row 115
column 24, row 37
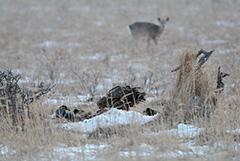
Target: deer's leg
column 155, row 41
column 134, row 41
column 148, row 42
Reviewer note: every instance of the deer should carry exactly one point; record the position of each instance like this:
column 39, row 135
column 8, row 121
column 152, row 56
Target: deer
column 147, row 30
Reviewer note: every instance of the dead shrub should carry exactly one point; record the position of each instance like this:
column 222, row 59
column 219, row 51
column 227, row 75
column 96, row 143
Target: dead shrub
column 192, row 88
column 15, row 100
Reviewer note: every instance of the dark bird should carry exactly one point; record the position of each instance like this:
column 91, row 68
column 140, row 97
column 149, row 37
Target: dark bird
column 77, row 111
column 203, row 59
column 80, row 115
column 61, row 111
column 220, row 76
column 150, row 112
column 69, row 116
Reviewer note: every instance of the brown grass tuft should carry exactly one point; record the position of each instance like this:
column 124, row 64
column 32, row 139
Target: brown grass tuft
column 192, row 87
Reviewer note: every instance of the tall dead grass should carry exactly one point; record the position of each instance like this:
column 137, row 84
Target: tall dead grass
column 192, row 87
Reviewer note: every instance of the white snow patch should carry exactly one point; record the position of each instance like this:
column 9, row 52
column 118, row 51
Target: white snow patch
column 233, row 131
column 48, row 44
column 52, row 44
column 227, row 51
column 51, row 101
column 47, row 30
column 227, row 23
column 92, row 57
column 139, row 66
column 99, row 23
column 89, row 151
column 128, row 153
column 182, row 131
column 73, row 100
column 5, row 151
column 181, row 29
column 85, row 9
column 144, row 151
column 187, row 130
column 113, row 117
column 203, row 42
column 117, row 57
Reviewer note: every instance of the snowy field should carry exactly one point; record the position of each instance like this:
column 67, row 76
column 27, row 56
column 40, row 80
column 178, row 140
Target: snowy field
column 113, row 118
column 84, row 47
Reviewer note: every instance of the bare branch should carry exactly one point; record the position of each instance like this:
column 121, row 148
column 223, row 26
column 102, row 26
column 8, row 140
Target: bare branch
column 176, row 69
column 203, row 59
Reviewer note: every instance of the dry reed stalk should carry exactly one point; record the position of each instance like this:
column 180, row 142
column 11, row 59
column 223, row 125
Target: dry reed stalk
column 192, row 87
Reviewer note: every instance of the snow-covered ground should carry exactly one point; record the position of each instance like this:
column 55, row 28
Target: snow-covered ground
column 113, row 117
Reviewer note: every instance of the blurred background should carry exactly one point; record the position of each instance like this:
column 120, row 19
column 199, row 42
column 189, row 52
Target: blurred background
column 84, row 46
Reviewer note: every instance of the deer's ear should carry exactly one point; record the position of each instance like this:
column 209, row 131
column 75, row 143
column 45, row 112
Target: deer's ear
column 167, row 18
column 159, row 19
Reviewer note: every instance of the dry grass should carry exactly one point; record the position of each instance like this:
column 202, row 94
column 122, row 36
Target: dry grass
column 83, row 47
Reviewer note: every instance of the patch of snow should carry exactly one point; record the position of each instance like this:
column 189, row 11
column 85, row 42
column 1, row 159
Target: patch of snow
column 227, row 51
column 4, row 150
column 142, row 150
column 47, row 30
column 107, row 82
column 190, row 150
column 48, row 44
column 128, row 153
column 227, row 23
column 187, row 130
column 99, row 23
column 139, row 66
column 193, row 7
column 51, row 101
column 113, row 117
column 35, row 8
column 203, row 42
column 72, row 100
column 65, row 81
column 89, row 151
column 233, row 131
column 73, row 44
column 52, row 44
column 197, row 150
column 117, row 57
column 150, row 99
column 181, row 29
column 85, row 9
column 182, row 131
column 92, row 57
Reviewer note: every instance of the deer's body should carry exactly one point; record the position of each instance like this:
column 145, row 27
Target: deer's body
column 147, row 30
